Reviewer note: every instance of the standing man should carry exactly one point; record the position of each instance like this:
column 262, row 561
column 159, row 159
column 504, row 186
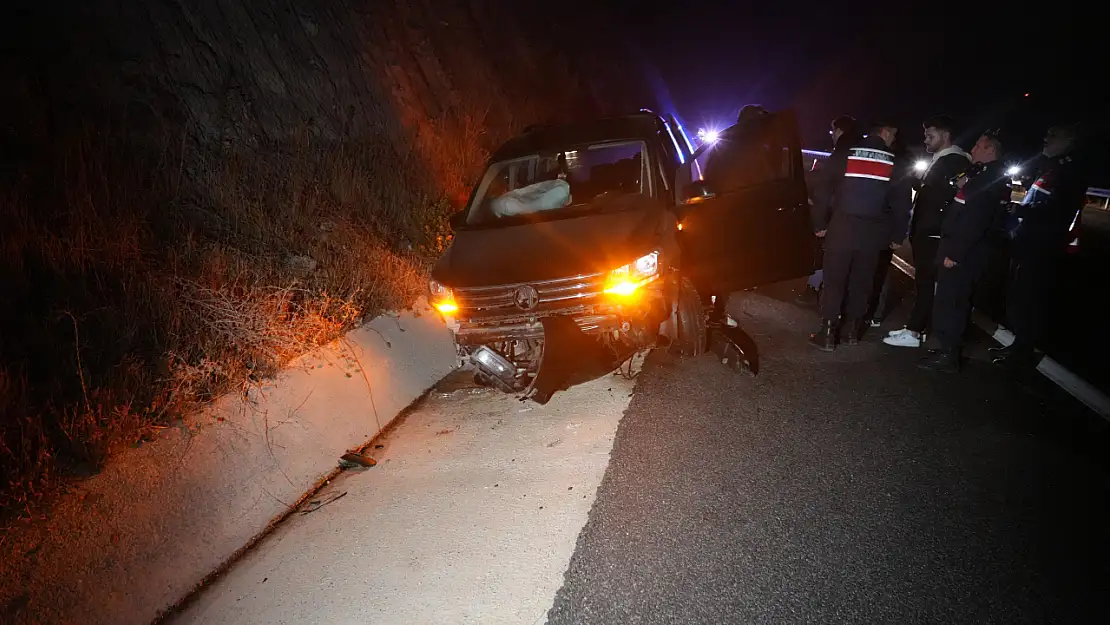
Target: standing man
column 738, row 159
column 934, row 195
column 845, row 134
column 871, row 205
column 965, row 248
column 1046, row 215
column 877, row 308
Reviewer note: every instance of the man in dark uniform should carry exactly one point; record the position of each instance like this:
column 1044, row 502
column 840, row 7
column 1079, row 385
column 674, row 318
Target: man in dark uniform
column 1040, row 241
column 822, row 187
column 739, row 158
column 933, row 196
column 964, row 248
column 884, row 280
column 869, row 214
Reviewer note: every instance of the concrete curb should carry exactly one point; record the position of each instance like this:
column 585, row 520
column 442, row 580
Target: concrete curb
column 133, row 540
column 1074, row 385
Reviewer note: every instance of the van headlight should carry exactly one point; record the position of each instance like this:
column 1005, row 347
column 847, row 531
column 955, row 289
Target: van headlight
column 442, row 298
column 627, row 280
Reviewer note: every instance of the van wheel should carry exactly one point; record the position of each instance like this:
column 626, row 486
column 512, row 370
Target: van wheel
column 692, row 329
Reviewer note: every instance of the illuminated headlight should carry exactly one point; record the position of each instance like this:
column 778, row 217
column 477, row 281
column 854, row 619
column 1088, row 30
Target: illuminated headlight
column 442, row 298
column 628, row 279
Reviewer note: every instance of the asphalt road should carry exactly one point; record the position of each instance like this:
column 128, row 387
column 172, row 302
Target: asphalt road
column 844, row 488
column 833, row 488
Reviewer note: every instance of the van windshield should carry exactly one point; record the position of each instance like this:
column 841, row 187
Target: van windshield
column 562, row 182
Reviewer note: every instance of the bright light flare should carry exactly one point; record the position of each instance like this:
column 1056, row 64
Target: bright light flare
column 921, row 166
column 1013, row 170
column 627, row 280
column 708, row 135
column 624, row 288
column 447, row 307
column 443, row 299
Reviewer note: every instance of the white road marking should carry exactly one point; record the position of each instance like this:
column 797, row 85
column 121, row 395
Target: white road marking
column 1074, row 385
column 470, row 516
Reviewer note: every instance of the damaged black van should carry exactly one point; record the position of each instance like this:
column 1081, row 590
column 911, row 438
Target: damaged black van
column 582, row 245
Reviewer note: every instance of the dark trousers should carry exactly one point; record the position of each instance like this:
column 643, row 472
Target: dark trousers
column 1032, row 278
column 849, row 280
column 876, row 309
column 952, row 305
column 925, row 281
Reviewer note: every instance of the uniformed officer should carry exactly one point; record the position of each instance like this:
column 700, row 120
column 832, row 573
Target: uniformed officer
column 964, row 250
column 739, row 158
column 823, row 184
column 869, row 214
column 1047, row 213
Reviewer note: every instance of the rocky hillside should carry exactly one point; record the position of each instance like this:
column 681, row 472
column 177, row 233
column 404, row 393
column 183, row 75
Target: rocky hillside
column 195, row 192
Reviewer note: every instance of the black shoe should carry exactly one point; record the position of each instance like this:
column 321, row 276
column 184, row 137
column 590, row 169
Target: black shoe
column 1002, row 351
column 824, row 338
column 943, row 360
column 852, row 332
column 808, row 298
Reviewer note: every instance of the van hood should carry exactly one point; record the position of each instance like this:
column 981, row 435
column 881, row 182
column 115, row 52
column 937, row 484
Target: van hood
column 547, row 250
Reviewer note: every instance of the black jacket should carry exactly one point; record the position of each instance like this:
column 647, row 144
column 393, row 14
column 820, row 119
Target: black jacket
column 739, row 158
column 935, row 193
column 872, row 202
column 826, row 180
column 974, row 210
column 1051, row 206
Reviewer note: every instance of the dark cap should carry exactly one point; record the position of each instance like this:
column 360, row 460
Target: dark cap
column 879, row 124
column 845, row 123
column 751, row 111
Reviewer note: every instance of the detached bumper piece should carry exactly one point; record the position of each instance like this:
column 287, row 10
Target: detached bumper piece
column 735, row 347
column 570, row 356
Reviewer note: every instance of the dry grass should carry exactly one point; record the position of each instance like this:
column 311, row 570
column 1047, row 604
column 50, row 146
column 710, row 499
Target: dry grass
column 147, row 283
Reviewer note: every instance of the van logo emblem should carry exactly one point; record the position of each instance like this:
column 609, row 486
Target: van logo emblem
column 526, row 297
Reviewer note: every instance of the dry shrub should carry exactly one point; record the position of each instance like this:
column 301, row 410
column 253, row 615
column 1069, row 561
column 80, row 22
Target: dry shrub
column 148, row 285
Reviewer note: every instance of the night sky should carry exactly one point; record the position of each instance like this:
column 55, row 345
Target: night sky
column 708, row 59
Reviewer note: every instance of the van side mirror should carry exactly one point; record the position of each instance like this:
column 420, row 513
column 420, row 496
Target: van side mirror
column 697, row 191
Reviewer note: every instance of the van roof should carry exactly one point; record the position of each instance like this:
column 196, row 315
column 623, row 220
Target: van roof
column 643, row 126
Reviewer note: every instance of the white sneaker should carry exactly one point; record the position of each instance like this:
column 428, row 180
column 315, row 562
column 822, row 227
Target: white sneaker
column 903, row 338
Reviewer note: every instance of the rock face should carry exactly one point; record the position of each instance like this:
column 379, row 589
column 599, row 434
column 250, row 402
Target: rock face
column 171, row 169
column 260, row 73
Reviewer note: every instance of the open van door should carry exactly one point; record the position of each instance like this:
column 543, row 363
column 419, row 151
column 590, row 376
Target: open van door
column 748, row 223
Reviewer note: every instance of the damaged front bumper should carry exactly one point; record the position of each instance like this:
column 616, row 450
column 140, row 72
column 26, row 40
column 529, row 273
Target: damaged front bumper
column 541, row 353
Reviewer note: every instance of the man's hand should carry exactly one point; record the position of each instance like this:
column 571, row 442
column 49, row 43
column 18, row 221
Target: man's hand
column 949, row 263
column 820, row 234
